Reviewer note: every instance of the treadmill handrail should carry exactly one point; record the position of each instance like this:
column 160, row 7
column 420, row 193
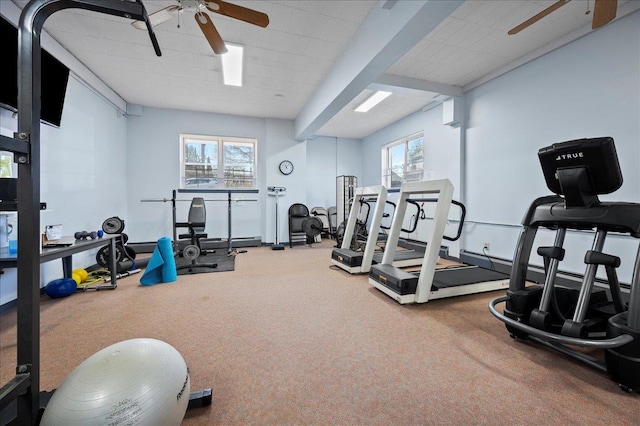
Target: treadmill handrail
column 381, row 193
column 463, row 214
column 417, row 217
column 383, row 214
column 615, row 342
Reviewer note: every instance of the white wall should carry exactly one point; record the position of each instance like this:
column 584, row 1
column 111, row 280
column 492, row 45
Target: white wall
column 588, row 88
column 348, row 159
column 83, row 173
column 281, row 146
column 327, row 158
column 321, row 172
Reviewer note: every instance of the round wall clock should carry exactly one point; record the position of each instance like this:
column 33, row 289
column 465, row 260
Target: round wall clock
column 286, row 167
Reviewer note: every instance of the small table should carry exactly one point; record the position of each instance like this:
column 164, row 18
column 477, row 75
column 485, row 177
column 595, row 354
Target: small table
column 8, row 260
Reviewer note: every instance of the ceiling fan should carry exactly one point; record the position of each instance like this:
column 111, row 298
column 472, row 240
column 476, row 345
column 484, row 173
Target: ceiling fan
column 204, row 21
column 604, row 11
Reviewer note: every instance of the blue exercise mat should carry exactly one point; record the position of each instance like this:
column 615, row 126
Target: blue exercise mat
column 162, row 265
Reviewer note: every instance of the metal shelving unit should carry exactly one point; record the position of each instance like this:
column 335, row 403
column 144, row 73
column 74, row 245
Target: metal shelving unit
column 345, row 191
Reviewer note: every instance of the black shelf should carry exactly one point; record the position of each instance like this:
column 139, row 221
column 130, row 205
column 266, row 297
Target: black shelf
column 12, row 206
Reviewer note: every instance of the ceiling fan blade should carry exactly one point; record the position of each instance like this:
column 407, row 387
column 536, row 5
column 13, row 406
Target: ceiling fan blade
column 535, row 18
column 156, row 18
column 210, row 33
column 238, row 12
column 604, row 12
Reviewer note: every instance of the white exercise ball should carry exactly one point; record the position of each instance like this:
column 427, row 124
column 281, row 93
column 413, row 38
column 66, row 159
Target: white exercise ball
column 134, row 382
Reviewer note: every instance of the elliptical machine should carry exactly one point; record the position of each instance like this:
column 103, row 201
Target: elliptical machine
column 554, row 315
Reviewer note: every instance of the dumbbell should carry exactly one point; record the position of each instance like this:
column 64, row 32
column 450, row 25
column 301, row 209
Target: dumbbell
column 79, row 275
column 83, row 235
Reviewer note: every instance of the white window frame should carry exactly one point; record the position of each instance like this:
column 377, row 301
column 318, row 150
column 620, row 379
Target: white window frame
column 417, row 174
column 223, row 182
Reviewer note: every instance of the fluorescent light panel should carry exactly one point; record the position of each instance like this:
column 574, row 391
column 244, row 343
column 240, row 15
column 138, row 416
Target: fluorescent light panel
column 232, row 65
column 372, row 101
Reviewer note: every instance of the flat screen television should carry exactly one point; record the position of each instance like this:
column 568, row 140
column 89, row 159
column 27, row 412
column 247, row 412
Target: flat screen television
column 54, row 77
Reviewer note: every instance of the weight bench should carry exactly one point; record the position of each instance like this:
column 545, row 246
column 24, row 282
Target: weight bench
column 195, row 225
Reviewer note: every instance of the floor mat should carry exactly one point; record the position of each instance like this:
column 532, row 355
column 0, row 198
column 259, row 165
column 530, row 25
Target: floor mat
column 223, row 262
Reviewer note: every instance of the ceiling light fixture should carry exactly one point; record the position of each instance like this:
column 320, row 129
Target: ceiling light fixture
column 372, row 101
column 232, row 65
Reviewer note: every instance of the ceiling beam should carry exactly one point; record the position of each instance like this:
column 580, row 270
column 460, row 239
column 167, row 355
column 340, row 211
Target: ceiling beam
column 383, row 38
column 413, row 86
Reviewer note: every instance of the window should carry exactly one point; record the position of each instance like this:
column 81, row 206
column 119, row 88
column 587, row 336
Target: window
column 6, row 161
column 217, row 162
column 403, row 161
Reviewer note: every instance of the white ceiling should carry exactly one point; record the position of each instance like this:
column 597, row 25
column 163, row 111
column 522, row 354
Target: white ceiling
column 303, row 46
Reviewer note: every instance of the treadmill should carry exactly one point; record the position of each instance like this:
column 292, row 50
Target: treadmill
column 405, row 258
column 353, row 261
column 357, row 261
column 413, row 257
column 406, row 287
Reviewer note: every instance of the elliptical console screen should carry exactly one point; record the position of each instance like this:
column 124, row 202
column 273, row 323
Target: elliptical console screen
column 597, row 155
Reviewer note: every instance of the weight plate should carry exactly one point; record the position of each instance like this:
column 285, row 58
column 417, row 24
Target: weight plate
column 113, row 225
column 191, row 252
column 103, row 256
column 312, row 226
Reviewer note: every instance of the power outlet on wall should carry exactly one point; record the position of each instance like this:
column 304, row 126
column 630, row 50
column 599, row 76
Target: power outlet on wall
column 485, row 247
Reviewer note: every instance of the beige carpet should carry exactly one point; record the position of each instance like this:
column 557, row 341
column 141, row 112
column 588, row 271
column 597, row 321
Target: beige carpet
column 287, row 340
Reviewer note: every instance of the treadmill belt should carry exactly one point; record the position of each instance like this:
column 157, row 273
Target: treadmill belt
column 453, row 277
column 400, row 255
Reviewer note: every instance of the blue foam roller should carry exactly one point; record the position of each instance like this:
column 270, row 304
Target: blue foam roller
column 62, row 287
column 162, row 265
